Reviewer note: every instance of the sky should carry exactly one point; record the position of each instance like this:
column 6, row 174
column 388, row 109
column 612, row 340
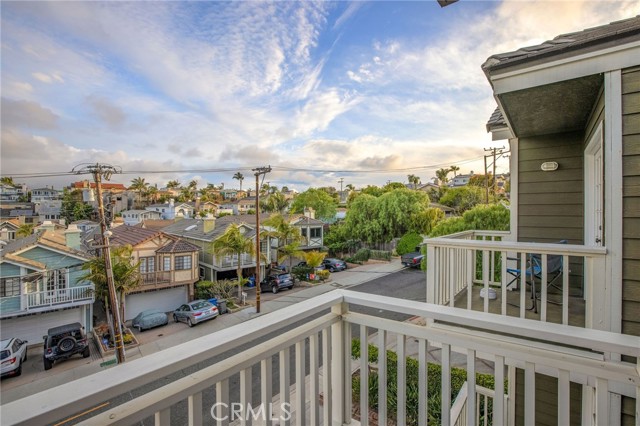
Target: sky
column 366, row 92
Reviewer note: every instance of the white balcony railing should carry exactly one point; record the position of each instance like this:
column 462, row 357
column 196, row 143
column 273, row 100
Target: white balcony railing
column 462, row 265
column 484, row 407
column 322, row 366
column 44, row 300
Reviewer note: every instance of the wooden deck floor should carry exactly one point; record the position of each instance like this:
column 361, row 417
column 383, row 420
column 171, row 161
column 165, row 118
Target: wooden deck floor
column 554, row 311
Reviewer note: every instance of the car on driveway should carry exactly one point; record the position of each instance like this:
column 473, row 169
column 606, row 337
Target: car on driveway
column 64, row 341
column 195, row 312
column 277, row 282
column 149, row 319
column 304, row 265
column 334, row 265
column 13, row 353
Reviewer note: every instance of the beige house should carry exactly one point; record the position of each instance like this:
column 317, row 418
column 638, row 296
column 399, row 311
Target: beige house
column 168, row 265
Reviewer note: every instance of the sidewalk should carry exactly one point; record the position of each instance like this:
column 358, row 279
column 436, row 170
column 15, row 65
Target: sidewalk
column 34, row 379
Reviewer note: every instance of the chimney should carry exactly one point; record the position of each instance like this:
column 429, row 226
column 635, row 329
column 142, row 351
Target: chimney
column 209, row 224
column 197, row 204
column 72, row 237
column 47, row 225
column 309, row 212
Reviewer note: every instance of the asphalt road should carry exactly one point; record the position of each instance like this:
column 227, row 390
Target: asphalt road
column 406, row 284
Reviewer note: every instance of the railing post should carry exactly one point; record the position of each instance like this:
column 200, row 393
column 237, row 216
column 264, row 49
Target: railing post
column 431, row 274
column 596, row 294
column 340, row 412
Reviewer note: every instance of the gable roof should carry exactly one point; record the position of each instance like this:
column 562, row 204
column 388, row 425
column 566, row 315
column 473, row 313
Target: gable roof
column 591, row 38
column 132, row 235
column 181, row 228
column 178, row 246
column 53, row 240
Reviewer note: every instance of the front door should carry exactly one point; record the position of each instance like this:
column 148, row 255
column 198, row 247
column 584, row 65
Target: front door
column 593, row 190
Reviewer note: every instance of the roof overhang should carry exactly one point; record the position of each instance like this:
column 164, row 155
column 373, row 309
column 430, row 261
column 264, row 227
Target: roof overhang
column 548, row 96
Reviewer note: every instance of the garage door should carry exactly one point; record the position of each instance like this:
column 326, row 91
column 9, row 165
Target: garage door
column 33, row 327
column 164, row 300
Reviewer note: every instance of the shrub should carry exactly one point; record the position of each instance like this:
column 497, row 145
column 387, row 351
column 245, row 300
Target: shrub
column 362, row 255
column 408, row 243
column 381, row 254
column 353, row 260
column 301, row 272
column 204, row 290
column 434, row 377
column 323, row 275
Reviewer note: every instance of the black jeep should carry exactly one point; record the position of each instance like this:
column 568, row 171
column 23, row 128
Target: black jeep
column 62, row 342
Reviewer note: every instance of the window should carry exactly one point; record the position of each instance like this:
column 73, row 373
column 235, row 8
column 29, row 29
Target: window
column 147, row 264
column 57, row 279
column 167, row 263
column 10, row 287
column 316, row 232
column 201, row 272
column 183, row 262
column 303, row 231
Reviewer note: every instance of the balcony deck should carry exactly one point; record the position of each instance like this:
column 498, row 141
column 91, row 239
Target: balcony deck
column 309, row 344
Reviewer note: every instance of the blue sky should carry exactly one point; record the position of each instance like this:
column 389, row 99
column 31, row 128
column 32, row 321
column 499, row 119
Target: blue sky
column 365, row 91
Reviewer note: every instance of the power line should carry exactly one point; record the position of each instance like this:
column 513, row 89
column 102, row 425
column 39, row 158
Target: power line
column 246, row 168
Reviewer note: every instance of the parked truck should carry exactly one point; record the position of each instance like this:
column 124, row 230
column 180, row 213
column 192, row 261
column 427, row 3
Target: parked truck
column 413, row 259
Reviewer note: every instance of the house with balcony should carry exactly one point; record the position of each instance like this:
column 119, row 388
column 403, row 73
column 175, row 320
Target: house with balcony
column 41, row 285
column 311, row 229
column 134, row 217
column 203, row 232
column 549, row 308
column 168, row 269
column 171, row 210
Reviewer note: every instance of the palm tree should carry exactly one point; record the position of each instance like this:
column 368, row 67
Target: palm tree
column 415, row 180
column 240, row 177
column 275, row 202
column 314, row 258
column 25, row 230
column 152, row 193
column 139, row 185
column 441, row 174
column 126, row 275
column 350, row 187
column 455, row 170
column 288, row 235
column 193, row 184
column 173, row 184
column 234, row 243
column 7, row 180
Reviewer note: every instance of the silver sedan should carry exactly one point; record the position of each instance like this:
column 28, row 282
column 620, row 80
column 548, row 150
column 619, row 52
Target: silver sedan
column 195, row 312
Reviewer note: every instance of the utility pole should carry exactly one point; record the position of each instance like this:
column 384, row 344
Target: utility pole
column 499, row 152
column 258, row 171
column 340, row 182
column 100, row 171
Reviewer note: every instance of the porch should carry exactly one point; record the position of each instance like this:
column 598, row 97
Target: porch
column 41, row 301
column 306, row 362
column 463, row 267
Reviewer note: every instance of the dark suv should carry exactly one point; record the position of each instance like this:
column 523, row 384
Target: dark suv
column 277, row 282
column 64, row 341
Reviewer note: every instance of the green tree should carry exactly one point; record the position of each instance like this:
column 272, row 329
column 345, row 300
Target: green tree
column 442, row 175
column 25, row 230
column 126, row 275
column 376, row 191
column 73, row 208
column 173, row 184
column 324, row 204
column 455, row 170
column 396, row 209
column 414, row 180
column 362, row 222
column 408, row 243
column 234, row 243
column 423, row 222
column 482, row 217
column 7, row 180
column 140, row 186
column 463, row 198
column 275, row 202
column 314, row 258
column 240, row 177
column 393, row 185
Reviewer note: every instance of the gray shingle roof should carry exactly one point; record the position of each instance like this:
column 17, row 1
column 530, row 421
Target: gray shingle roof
column 496, row 120
column 628, row 28
column 178, row 246
column 180, row 227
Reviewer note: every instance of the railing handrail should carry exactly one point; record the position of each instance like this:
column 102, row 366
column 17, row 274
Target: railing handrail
column 542, row 248
column 76, row 396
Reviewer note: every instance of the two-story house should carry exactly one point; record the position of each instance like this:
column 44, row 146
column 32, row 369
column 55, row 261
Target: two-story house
column 134, row 217
column 168, row 269
column 44, row 194
column 203, row 232
column 171, row 210
column 40, row 285
column 9, row 229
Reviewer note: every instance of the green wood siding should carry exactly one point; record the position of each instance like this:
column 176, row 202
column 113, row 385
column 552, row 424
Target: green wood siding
column 547, row 401
column 551, row 204
column 630, row 216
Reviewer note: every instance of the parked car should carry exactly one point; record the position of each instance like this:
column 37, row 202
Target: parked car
column 334, row 265
column 13, row 353
column 277, row 282
column 149, row 319
column 63, row 342
column 412, row 260
column 195, row 312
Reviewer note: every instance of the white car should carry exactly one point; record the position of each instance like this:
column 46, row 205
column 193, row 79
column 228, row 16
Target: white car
column 13, row 352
